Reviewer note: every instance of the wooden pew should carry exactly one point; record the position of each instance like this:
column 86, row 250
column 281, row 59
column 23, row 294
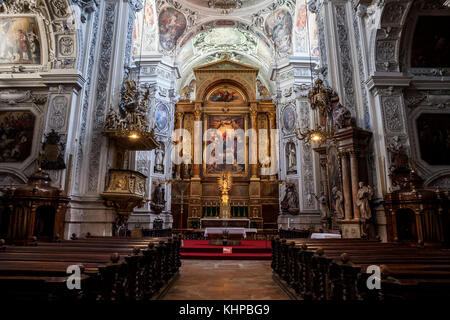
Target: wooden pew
column 112, row 268
column 335, row 269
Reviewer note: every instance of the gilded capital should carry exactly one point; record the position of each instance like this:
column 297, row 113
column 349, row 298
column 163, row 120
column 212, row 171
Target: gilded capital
column 197, row 114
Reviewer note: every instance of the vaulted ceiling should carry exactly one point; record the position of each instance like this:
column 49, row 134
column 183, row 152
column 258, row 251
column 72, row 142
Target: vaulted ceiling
column 253, row 32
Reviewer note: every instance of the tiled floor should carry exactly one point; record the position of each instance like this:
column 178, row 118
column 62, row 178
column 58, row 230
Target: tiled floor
column 225, row 280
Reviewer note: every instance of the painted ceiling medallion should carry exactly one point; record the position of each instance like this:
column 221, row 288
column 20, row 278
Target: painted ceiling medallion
column 225, row 4
column 225, row 39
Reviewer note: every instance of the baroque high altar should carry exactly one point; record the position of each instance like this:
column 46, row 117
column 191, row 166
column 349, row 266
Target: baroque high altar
column 225, row 101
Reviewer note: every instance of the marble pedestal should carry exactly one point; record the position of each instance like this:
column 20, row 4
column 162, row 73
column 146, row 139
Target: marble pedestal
column 87, row 215
column 144, row 220
column 350, row 229
column 299, row 222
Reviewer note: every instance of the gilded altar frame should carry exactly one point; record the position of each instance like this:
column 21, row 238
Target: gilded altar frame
column 260, row 193
column 206, row 120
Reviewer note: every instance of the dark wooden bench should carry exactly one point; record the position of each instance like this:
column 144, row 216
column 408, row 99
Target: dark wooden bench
column 112, row 268
column 335, row 269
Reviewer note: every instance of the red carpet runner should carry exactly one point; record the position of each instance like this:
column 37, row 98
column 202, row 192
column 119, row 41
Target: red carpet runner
column 248, row 250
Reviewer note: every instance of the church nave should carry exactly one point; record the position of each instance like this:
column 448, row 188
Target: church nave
column 225, row 280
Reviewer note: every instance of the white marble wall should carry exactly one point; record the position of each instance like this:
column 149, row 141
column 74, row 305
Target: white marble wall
column 362, row 46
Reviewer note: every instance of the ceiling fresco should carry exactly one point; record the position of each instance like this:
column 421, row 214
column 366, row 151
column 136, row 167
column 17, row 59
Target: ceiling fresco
column 256, row 32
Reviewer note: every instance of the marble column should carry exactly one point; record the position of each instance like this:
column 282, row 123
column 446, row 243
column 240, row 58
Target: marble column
column 355, row 179
column 323, row 177
column 273, row 144
column 197, row 143
column 346, row 187
column 254, row 144
column 179, row 117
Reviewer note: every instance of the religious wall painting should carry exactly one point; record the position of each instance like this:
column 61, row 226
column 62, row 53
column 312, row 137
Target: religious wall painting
column 301, row 23
column 264, row 93
column 16, row 135
column 159, row 158
column 172, row 25
column 306, row 32
column 431, row 43
column 225, row 93
column 161, row 117
column 278, row 27
column 289, row 119
column 217, row 161
column 301, row 30
column 21, row 40
column 144, row 29
column 433, row 131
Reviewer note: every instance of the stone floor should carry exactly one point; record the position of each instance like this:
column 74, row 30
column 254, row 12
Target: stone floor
column 225, row 280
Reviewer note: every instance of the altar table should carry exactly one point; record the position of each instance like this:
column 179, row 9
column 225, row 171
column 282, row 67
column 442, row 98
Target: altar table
column 232, row 232
column 325, row 236
column 224, row 223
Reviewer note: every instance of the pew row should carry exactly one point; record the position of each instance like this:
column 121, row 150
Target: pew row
column 339, row 269
column 110, row 269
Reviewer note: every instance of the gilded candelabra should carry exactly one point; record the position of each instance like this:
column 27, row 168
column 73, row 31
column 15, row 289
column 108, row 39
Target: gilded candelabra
column 224, row 184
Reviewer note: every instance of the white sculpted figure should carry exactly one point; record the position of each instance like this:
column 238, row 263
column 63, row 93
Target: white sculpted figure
column 159, row 160
column 323, row 206
column 338, row 202
column 291, row 157
column 364, row 195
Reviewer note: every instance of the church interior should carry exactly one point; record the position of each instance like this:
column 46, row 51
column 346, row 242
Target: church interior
column 279, row 149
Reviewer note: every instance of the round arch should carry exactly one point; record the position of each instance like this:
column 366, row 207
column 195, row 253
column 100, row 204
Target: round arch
column 393, row 37
column 207, row 90
column 239, row 82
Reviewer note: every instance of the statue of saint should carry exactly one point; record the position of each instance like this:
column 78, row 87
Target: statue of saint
column 323, row 205
column 338, row 202
column 291, row 158
column 158, row 195
column 364, row 195
column 112, row 120
column 399, row 157
column 289, row 205
column 159, row 160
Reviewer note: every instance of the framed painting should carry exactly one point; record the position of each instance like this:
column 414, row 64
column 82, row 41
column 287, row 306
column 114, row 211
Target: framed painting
column 278, row 27
column 434, row 138
column 16, row 135
column 289, row 119
column 161, row 117
column 432, row 35
column 21, row 40
column 172, row 25
column 225, row 93
column 222, row 152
